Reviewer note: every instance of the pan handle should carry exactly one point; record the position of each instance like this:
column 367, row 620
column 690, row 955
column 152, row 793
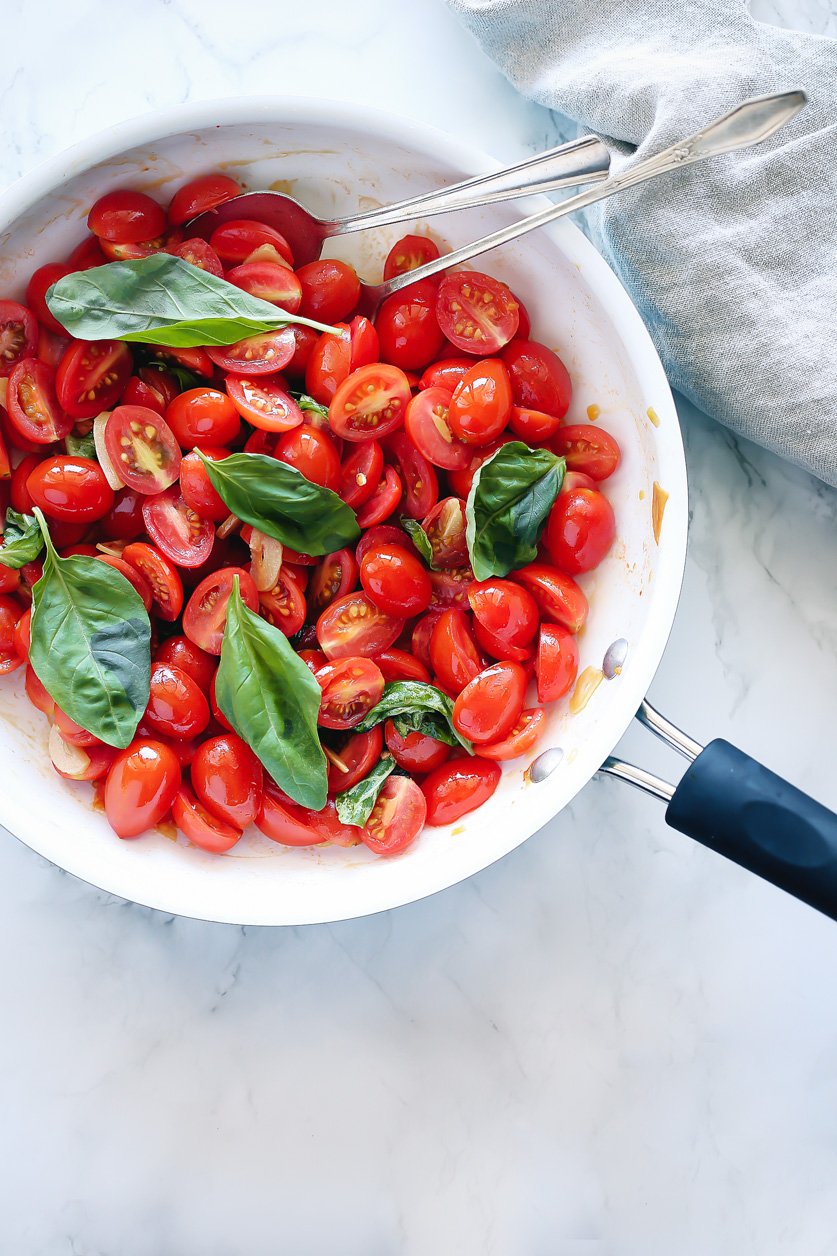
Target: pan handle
column 739, row 808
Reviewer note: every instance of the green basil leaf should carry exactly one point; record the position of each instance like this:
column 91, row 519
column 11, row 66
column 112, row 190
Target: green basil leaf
column 81, row 446
column 427, row 722
column 413, row 698
column 91, row 644
column 355, row 805
column 508, row 506
column 308, row 403
column 419, row 537
column 272, row 701
column 162, row 300
column 22, row 539
column 279, row 501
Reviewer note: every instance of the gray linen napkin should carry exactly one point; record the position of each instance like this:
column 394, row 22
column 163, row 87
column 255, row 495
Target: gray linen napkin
column 732, row 263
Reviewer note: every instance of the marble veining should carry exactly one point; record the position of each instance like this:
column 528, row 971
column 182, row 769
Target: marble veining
column 612, row 1043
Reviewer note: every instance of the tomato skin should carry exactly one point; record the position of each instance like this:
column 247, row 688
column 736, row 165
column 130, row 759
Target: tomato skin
column 488, row 708
column 86, row 255
column 138, row 393
column 353, row 626
column 198, row 253
column 19, row 496
column 470, row 322
column 397, row 817
column 100, row 367
column 407, row 329
column 382, row 503
column 196, row 486
column 126, row 217
column 360, row 472
column 18, row 336
column 285, row 822
column 140, row 787
column 228, row 779
column 200, row 826
column 351, row 688
column 427, row 423
column 71, row 488
column 398, row 664
column 33, row 406
column 217, row 714
column 557, row 595
column 234, row 241
column 312, row 453
column 142, row 449
column 580, row 531
column 421, row 636
column 408, row 253
column 203, row 416
column 395, row 581
column 533, row 426
column 196, row 360
column 370, row 402
column 39, row 284
column 381, row 534
column 334, row 577
column 176, row 705
column 556, row 664
column 329, row 365
column 505, row 609
column 588, row 449
column 264, row 403
column 539, row 379
column 416, row 752
column 182, row 653
column 454, row 656
column 198, row 195
column 305, row 340
column 503, row 651
column 205, row 616
column 446, row 374
column 330, row 290
column 182, row 535
column 450, row 587
column 160, row 575
column 263, row 353
column 269, row 281
column 9, row 578
column 359, row 753
column 445, row 529
column 526, row 734
column 457, row 787
column 482, row 403
column 37, row 694
column 134, row 250
column 421, row 486
column 283, row 606
column 11, row 612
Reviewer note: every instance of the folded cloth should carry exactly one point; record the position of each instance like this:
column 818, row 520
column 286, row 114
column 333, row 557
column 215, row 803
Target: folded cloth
column 732, row 263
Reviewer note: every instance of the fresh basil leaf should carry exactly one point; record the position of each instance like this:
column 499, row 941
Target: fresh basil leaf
column 279, row 501
column 308, row 403
column 413, row 698
column 22, row 539
column 162, row 300
column 91, row 644
column 272, row 701
column 427, row 722
column 355, row 805
column 508, row 506
column 419, row 537
column 81, row 446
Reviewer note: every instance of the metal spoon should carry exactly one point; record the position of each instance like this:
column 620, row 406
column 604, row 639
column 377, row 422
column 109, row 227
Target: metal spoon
column 582, row 161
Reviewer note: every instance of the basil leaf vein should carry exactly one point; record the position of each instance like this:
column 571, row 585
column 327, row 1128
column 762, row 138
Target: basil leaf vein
column 272, row 701
column 508, row 506
column 22, row 539
column 417, row 701
column 355, row 805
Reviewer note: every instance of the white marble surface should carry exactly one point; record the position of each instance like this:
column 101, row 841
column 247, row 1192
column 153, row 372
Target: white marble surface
column 611, row 1043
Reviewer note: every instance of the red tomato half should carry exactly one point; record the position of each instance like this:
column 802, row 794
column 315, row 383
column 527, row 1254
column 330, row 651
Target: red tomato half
column 176, row 706
column 558, row 596
column 126, row 217
column 556, row 665
column 130, row 573
column 588, row 449
column 533, row 426
column 330, row 290
column 353, row 626
column 205, row 616
column 264, row 403
column 140, row 787
column 505, row 609
column 482, row 403
column 268, row 281
column 262, row 354
column 358, row 753
column 33, row 406
column 39, row 284
column 351, row 687
column 142, row 449
column 421, row 487
column 397, row 817
column 161, row 577
column 361, row 469
column 196, row 486
column 445, row 529
column 71, row 488
column 285, row 822
column 453, row 651
column 385, row 497
column 457, row 787
column 396, row 581
column 11, row 612
column 183, row 653
column 176, row 529
column 398, row 664
column 228, row 779
column 92, row 375
column 201, row 194
column 408, row 253
column 312, row 453
column 200, row 826
column 234, row 241
column 198, row 253
column 427, row 424
column 203, row 416
column 488, row 707
column 283, row 606
column 407, row 329
column 580, row 531
column 526, row 734
column 539, row 378
column 334, row 577
column 478, row 314
column 415, row 752
column 371, row 402
column 18, row 336
column 138, row 393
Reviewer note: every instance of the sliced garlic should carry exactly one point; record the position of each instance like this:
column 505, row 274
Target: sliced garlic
column 99, row 424
column 112, row 548
column 66, row 758
column 267, row 253
column 266, row 555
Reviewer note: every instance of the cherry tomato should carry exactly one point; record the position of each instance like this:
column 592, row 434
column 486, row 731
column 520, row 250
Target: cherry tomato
column 285, row 822
column 262, row 354
column 329, row 364
column 488, row 707
column 18, row 336
column 421, row 487
column 126, row 217
column 160, row 380
column 407, row 329
column 478, row 314
column 176, row 705
column 527, row 732
column 330, row 290
column 39, row 284
column 11, row 612
column 140, row 787
column 51, row 346
column 37, row 694
column 92, row 375
column 203, row 416
column 195, row 360
column 196, row 486
column 228, row 779
column 416, row 752
column 450, row 587
column 283, row 606
column 198, row 253
column 71, row 488
column 334, row 577
column 19, row 495
column 205, row 616
column 457, row 787
column 533, row 426
column 268, row 281
column 588, row 449
column 395, row 581
column 312, row 453
column 354, row 627
column 505, row 609
column 305, row 341
column 361, row 469
column 385, row 497
column 461, row 482
column 138, row 393
column 176, row 529
column 161, row 577
column 397, row 817
column 73, row 732
column 370, row 402
column 182, row 653
column 235, row 241
column 142, row 449
column 482, row 403
column 200, row 826
column 454, row 656
column 421, row 637
column 351, row 687
column 445, row 530
column 539, row 378
column 359, row 753
column 580, row 531
column 381, row 534
column 558, row 596
column 217, row 714
column 446, row 374
column 408, row 253
column 427, row 424
column 86, row 255
column 264, row 403
column 139, row 583
column 9, row 577
column 496, row 648
column 398, row 664
column 134, row 250
column 33, row 406
column 556, row 665
column 23, row 634
column 201, row 194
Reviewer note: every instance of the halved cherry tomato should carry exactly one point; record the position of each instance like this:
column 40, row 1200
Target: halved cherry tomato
column 450, row 587
column 396, row 664
column 86, row 255
column 160, row 380
column 334, row 577
column 416, row 752
column 51, row 346
column 283, row 606
column 198, row 253
column 124, row 520
column 478, row 314
column 385, row 497
column 290, row 825
column 457, row 787
column 454, row 656
column 22, row 637
column 329, row 364
column 482, row 403
column 176, row 529
column 407, row 329
column 330, row 290
column 446, row 374
column 427, row 424
column 234, row 241
column 217, row 713
column 37, row 694
column 73, row 732
column 556, row 665
column 140, row 787
column 505, row 609
column 527, row 732
column 181, row 652
column 496, row 648
column 445, row 530
column 134, row 250
column 196, row 360
column 359, row 753
column 9, row 577
column 382, row 534
column 351, row 687
column 397, row 817
column 71, row 488
column 18, row 336
column 354, row 627
column 33, row 406
column 203, row 416
column 539, row 379
column 130, row 573
column 264, row 403
column 576, row 479
column 533, row 426
column 360, row 471
column 262, row 354
column 421, row 487
column 489, row 706
column 371, row 402
column 138, row 393
column 588, row 449
column 19, row 495
column 396, row 581
column 126, row 216
column 421, row 637
column 200, row 826
column 228, row 779
column 580, row 531
column 11, row 612
column 305, row 340
column 92, row 375
column 196, row 486
column 39, row 284
column 142, row 449
column 201, row 194
column 176, row 705
column 408, row 253
column 161, row 576
column 99, row 761
column 312, row 453
column 205, row 616
column 269, row 282
column 558, row 596
column 313, row 660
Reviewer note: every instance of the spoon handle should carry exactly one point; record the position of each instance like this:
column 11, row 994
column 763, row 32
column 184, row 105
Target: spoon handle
column 749, row 123
column 582, row 161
